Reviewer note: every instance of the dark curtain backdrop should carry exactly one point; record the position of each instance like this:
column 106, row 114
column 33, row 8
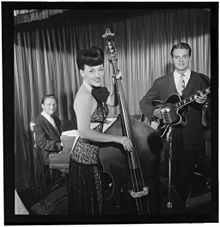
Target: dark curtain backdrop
column 44, row 62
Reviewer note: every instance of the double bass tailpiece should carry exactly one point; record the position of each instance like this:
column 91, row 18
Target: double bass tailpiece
column 139, row 194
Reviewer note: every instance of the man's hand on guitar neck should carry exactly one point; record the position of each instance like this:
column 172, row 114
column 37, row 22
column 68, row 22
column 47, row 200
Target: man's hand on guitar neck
column 200, row 97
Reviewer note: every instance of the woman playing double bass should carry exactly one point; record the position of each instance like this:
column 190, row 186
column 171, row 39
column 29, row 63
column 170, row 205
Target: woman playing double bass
column 85, row 186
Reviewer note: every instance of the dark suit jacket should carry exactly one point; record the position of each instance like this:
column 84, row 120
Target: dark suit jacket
column 47, row 136
column 192, row 134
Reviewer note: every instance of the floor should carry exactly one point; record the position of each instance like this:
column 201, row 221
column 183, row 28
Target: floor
column 55, row 202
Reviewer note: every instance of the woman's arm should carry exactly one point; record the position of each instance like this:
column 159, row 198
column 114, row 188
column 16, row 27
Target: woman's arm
column 83, row 108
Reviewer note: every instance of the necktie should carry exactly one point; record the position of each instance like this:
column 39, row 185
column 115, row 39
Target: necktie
column 181, row 83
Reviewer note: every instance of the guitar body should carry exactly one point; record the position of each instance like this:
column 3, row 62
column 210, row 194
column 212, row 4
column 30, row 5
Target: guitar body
column 178, row 119
column 172, row 110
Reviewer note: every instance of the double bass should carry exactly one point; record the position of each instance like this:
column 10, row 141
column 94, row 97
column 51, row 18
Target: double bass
column 131, row 177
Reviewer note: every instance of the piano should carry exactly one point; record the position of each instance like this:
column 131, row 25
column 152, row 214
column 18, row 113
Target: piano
column 60, row 160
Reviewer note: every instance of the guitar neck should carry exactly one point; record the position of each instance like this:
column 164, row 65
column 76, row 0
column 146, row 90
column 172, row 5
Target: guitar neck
column 184, row 102
column 190, row 99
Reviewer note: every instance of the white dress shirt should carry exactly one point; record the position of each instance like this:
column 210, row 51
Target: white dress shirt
column 49, row 118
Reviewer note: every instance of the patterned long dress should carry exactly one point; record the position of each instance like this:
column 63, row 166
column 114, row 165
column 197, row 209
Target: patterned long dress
column 85, row 185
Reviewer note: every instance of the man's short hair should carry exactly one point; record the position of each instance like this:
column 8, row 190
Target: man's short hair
column 91, row 57
column 181, row 46
column 48, row 96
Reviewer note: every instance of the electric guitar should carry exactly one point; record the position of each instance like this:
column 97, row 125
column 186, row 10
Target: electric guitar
column 172, row 110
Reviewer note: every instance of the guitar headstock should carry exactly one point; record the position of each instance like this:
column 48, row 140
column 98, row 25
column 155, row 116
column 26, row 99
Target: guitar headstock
column 110, row 48
column 207, row 90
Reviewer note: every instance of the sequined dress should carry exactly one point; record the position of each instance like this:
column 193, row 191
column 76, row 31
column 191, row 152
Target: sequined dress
column 85, row 189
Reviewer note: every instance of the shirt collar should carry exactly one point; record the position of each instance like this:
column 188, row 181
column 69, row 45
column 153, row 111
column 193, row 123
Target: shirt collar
column 46, row 115
column 187, row 74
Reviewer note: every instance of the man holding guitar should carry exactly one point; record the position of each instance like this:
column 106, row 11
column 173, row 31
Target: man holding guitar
column 182, row 95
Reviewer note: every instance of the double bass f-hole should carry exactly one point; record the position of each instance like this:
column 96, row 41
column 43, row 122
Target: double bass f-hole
column 139, row 191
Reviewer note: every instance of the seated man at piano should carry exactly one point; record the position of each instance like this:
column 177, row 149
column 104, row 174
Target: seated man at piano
column 48, row 129
column 190, row 89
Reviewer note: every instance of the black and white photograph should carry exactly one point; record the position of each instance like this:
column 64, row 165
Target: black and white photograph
column 110, row 112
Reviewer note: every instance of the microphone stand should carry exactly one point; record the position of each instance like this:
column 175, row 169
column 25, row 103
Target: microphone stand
column 169, row 140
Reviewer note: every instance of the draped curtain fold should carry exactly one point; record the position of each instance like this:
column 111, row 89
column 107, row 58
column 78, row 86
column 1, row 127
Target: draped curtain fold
column 44, row 62
column 27, row 16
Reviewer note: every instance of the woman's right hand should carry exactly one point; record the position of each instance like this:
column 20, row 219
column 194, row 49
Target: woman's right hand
column 157, row 113
column 125, row 142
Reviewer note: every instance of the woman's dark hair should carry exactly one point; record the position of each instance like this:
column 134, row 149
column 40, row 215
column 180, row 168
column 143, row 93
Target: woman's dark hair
column 181, row 46
column 91, row 57
column 48, row 96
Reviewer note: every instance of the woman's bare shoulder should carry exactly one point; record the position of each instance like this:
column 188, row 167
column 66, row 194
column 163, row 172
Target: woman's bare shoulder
column 83, row 97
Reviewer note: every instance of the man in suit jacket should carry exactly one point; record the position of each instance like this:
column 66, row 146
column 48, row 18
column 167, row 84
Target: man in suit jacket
column 48, row 128
column 187, row 141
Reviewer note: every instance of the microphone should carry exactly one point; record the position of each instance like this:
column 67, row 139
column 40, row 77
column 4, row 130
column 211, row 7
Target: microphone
column 168, row 114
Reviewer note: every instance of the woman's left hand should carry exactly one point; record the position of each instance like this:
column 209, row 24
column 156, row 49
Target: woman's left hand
column 119, row 76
